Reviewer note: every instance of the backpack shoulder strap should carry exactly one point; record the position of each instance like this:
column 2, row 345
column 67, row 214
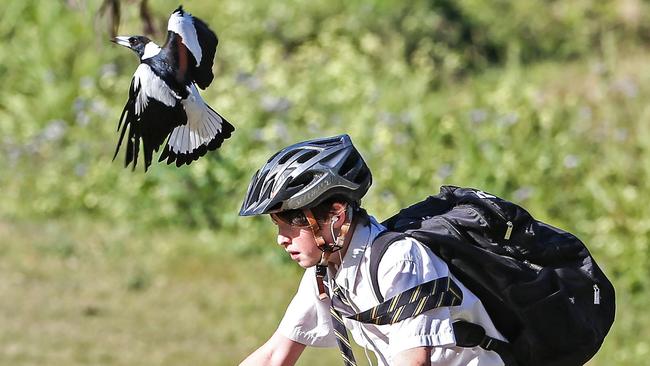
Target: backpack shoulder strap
column 378, row 248
column 467, row 334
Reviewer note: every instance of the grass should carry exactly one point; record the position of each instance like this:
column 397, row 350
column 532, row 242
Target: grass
column 84, row 293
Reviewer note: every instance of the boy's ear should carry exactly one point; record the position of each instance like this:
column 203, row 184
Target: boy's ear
column 339, row 210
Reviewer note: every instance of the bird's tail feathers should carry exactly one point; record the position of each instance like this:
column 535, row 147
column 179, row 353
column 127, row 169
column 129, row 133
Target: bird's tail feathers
column 128, row 122
column 119, row 142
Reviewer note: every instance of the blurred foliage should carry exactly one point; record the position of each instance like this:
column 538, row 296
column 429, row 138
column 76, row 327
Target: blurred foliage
column 542, row 102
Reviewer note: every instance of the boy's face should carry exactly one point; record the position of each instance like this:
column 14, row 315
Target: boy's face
column 299, row 243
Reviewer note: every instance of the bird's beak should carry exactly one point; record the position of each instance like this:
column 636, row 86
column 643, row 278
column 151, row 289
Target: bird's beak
column 122, row 41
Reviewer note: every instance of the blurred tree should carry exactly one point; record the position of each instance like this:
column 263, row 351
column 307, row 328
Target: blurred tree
column 113, row 8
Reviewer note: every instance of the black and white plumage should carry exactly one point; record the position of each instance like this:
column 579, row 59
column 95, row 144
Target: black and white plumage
column 164, row 103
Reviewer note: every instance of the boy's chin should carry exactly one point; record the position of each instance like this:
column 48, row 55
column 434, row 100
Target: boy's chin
column 308, row 263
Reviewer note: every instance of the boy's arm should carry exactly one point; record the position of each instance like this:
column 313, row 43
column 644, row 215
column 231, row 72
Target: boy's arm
column 419, row 356
column 277, row 351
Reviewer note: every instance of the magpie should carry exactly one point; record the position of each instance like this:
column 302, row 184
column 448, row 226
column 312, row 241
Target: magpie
column 164, row 103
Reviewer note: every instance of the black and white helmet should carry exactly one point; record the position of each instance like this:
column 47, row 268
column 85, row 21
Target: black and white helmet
column 307, row 173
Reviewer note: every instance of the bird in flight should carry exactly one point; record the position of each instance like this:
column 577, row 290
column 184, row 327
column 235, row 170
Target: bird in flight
column 164, row 104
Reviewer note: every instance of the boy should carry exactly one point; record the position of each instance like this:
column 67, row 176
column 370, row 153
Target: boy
column 312, row 191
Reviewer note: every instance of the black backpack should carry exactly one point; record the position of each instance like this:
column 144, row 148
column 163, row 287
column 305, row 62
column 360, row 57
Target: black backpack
column 539, row 284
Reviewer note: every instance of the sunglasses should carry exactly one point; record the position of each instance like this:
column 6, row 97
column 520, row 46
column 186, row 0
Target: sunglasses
column 295, row 218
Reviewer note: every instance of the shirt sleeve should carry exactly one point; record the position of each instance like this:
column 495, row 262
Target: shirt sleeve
column 406, row 264
column 307, row 318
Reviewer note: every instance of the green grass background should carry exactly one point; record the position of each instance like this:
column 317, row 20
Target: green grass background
column 541, row 102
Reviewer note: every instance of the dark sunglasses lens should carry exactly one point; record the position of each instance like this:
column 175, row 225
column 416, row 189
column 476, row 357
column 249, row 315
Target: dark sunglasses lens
column 293, row 218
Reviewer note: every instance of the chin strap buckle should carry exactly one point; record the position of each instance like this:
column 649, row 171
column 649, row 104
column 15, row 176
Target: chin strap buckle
column 321, row 270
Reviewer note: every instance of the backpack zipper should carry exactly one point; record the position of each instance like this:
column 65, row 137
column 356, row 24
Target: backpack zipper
column 596, row 295
column 496, row 211
column 508, row 230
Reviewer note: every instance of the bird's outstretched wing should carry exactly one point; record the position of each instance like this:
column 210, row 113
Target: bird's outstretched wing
column 152, row 111
column 204, row 131
column 194, row 44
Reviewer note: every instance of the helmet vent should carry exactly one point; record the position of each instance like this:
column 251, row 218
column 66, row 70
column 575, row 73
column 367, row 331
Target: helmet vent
column 257, row 186
column 328, row 142
column 306, row 156
column 364, row 175
column 301, row 181
column 267, row 191
column 350, row 163
column 287, row 156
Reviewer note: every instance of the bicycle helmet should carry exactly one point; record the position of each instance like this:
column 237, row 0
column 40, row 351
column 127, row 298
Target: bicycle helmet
column 307, row 173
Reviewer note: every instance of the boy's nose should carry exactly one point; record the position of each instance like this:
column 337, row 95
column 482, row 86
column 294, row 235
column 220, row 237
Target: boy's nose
column 283, row 240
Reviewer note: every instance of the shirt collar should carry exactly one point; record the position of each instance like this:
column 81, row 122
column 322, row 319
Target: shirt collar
column 363, row 236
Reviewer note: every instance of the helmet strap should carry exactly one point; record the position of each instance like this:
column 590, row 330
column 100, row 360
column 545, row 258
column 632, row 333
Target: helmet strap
column 321, row 267
column 315, row 229
column 326, row 248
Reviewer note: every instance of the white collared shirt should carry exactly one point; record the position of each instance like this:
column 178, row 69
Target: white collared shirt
column 406, row 264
